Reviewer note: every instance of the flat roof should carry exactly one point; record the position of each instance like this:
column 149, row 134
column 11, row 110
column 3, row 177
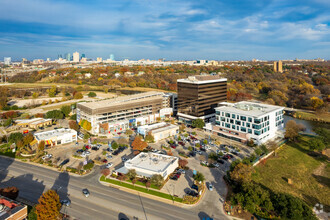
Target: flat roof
column 45, row 135
column 248, row 108
column 32, row 121
column 122, row 99
column 150, row 161
column 201, row 79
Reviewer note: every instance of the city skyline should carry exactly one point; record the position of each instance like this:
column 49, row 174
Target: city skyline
column 175, row 30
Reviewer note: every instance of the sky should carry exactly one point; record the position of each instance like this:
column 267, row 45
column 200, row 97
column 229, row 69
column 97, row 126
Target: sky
column 170, row 29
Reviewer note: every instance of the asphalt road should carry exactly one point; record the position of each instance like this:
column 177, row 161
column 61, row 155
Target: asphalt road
column 103, row 202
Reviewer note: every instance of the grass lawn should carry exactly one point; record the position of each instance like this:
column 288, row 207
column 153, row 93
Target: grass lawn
column 310, row 116
column 140, row 189
column 310, row 175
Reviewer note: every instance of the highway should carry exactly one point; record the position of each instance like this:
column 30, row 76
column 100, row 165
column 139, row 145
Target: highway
column 103, row 202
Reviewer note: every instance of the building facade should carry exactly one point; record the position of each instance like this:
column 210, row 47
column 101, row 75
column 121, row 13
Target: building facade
column 199, row 95
column 76, row 57
column 244, row 121
column 34, row 123
column 278, row 66
column 159, row 130
column 56, row 136
column 148, row 164
column 119, row 114
column 7, row 61
column 12, row 210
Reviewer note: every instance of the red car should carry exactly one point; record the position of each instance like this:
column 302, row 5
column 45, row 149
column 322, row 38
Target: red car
column 178, row 175
column 88, row 147
column 181, row 143
column 105, row 161
column 173, row 146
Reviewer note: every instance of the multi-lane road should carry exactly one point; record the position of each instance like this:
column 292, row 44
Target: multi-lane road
column 103, row 202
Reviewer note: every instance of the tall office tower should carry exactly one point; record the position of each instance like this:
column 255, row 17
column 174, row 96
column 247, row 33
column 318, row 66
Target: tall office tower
column 112, row 57
column 68, row 57
column 76, row 57
column 83, row 55
column 278, row 66
column 199, row 95
column 7, row 60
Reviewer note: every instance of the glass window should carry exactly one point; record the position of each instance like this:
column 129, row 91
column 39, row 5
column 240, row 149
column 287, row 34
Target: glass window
column 247, row 124
column 250, row 119
column 227, row 115
column 217, row 112
column 231, row 121
column 243, row 118
column 227, row 125
column 217, row 122
column 223, row 119
column 250, row 131
column 256, row 132
column 243, row 129
column 233, row 126
column 233, row 115
column 222, row 113
column 256, row 126
column 238, row 122
column 257, row 121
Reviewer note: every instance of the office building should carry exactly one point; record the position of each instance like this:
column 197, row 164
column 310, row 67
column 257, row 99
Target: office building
column 56, row 136
column 148, row 164
column 244, row 121
column 278, row 66
column 12, row 210
column 83, row 56
column 118, row 114
column 99, row 59
column 33, row 123
column 199, row 95
column 68, row 57
column 112, row 57
column 7, row 61
column 76, row 57
column 159, row 130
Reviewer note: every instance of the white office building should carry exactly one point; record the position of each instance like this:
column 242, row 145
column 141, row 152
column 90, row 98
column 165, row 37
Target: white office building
column 148, row 164
column 56, row 136
column 159, row 130
column 7, row 61
column 76, row 57
column 243, row 121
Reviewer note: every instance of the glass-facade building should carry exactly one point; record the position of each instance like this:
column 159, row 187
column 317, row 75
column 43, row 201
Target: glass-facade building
column 247, row 120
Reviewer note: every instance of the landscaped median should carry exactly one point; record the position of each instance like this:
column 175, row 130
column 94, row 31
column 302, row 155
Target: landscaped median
column 140, row 189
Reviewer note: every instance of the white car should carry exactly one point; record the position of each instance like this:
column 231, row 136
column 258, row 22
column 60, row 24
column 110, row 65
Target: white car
column 109, row 165
column 87, row 152
column 83, row 154
column 47, row 156
column 210, row 187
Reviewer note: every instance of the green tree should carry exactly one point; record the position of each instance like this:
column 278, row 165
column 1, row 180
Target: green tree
column 199, row 177
column 114, row 145
column 258, row 151
column 198, row 123
column 15, row 137
column 157, row 180
column 54, row 114
column 78, row 95
column 35, row 95
column 316, row 144
column 32, row 215
column 149, row 138
column 241, row 173
column 52, row 91
column 73, row 117
column 7, row 122
column 86, row 136
column 91, row 94
column 131, row 174
column 66, row 109
column 28, row 139
column 213, row 156
column 49, row 206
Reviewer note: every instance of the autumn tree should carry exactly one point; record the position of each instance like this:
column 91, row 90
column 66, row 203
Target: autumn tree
column 241, row 173
column 52, row 91
column 157, row 180
column 78, row 95
column 183, row 163
column 66, row 109
column 73, row 125
column 292, row 130
column 28, row 139
column 138, row 144
column 316, row 102
column 131, row 174
column 49, row 206
column 41, row 146
column 149, row 138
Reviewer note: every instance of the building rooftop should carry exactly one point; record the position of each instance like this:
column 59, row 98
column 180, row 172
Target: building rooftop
column 45, row 135
column 122, row 99
column 10, row 207
column 248, row 108
column 203, row 79
column 32, row 121
column 150, row 162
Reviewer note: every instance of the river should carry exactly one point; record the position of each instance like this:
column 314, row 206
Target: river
column 310, row 125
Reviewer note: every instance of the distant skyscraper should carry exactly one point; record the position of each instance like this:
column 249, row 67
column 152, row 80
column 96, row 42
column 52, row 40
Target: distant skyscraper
column 76, row 57
column 83, row 55
column 7, row 60
column 59, row 56
column 112, row 57
column 68, row 57
column 278, row 66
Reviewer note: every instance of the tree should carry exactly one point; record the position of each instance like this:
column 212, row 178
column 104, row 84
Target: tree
column 10, row 192
column 316, row 102
column 316, row 144
column 241, row 173
column 91, row 94
column 198, row 123
column 128, row 132
column 157, row 180
column 7, row 122
column 213, row 156
column 138, row 144
column 292, row 130
column 258, row 151
column 149, row 138
column 199, row 177
column 55, row 114
column 41, row 146
column 134, row 181
column 114, row 145
column 183, row 163
column 73, row 125
column 78, row 95
column 148, row 184
column 86, row 136
column 32, row 214
column 49, row 206
column 15, row 137
column 105, row 172
column 52, row 91
column 131, row 174
column 66, row 109
column 73, row 117
column 182, row 127
column 35, row 95
column 28, row 139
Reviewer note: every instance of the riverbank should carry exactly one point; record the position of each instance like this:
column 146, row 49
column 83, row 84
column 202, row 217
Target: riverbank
column 318, row 117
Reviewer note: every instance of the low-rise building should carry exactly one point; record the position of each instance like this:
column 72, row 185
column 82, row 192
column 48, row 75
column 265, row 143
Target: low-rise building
column 159, row 131
column 56, row 136
column 244, row 121
column 118, row 114
column 33, row 123
column 148, row 164
column 12, row 210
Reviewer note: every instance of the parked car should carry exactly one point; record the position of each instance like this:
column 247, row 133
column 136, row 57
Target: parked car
column 192, row 193
column 64, row 162
column 85, row 192
column 194, row 187
column 124, row 159
column 173, row 146
column 174, row 177
column 87, row 147
column 216, row 165
column 109, row 149
column 95, row 148
column 105, row 161
column 210, row 187
column 87, row 152
column 182, row 171
column 181, row 143
column 220, row 161
column 65, row 202
column 109, row 165
column 108, row 156
column 79, row 151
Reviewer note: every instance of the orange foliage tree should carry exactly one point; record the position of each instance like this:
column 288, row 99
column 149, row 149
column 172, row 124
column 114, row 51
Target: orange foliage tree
column 138, row 144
